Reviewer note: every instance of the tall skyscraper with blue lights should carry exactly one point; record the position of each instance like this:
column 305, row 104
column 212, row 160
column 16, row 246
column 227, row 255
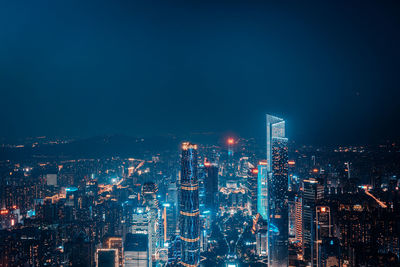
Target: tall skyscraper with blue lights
column 277, row 167
column 262, row 188
column 189, row 207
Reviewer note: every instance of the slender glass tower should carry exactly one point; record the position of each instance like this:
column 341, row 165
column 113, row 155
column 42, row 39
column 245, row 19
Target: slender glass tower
column 189, row 207
column 277, row 167
column 262, row 188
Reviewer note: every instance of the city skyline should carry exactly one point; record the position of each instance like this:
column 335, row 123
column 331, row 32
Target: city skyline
column 230, row 205
column 197, row 134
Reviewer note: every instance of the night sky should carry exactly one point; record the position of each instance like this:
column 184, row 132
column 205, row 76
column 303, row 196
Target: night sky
column 88, row 68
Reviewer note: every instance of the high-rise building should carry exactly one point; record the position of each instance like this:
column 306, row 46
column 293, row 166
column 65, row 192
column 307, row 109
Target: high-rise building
column 173, row 209
column 107, row 257
column 252, row 194
column 277, row 166
column 211, row 188
column 144, row 222
column 189, row 224
column 330, row 253
column 262, row 238
column 312, row 192
column 323, row 230
column 292, row 218
column 323, row 222
column 262, row 188
column 299, row 219
column 136, row 250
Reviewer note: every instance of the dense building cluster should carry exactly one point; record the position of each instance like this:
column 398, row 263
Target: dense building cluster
column 237, row 203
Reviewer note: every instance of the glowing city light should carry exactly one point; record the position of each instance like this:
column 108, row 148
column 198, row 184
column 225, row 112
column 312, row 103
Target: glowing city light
column 4, row 212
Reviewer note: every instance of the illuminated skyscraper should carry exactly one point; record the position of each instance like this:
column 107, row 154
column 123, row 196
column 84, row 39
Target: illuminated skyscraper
column 262, row 238
column 292, row 217
column 169, row 221
column 312, row 192
column 262, row 187
column 323, row 229
column 189, row 207
column 172, row 215
column 251, row 184
column 277, row 167
column 299, row 219
column 143, row 222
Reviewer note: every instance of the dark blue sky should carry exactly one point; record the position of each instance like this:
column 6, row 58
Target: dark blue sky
column 86, row 68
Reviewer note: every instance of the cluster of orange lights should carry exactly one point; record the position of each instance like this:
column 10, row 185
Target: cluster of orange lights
column 187, row 145
column 4, row 212
column 191, row 240
column 231, row 141
column 190, row 214
column 190, row 188
column 254, row 171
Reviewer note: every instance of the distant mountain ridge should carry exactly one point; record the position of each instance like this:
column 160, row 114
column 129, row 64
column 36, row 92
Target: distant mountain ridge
column 95, row 147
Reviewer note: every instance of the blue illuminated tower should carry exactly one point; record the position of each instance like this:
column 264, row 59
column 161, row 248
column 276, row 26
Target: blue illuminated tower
column 277, row 167
column 189, row 207
column 262, row 187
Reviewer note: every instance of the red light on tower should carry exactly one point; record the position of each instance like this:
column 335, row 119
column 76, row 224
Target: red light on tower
column 231, row 141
